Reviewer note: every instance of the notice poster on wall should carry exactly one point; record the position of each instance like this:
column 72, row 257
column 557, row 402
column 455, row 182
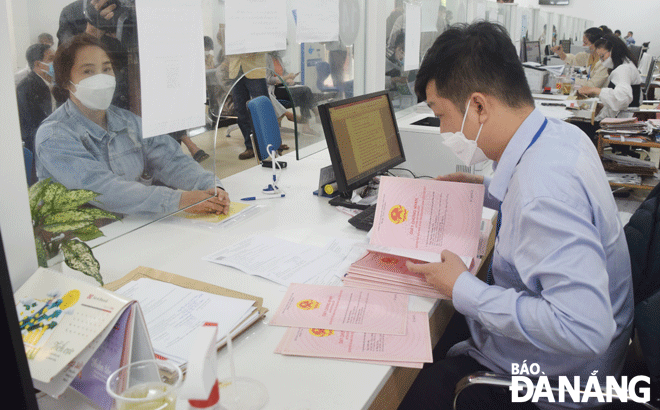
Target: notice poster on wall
column 253, row 26
column 413, row 36
column 317, row 21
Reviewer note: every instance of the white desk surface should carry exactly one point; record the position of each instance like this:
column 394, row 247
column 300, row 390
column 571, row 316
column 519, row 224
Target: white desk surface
column 292, row 382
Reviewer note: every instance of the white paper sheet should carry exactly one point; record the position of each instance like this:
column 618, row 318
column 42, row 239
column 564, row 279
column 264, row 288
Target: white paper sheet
column 430, row 15
column 339, row 254
column 272, row 258
column 413, row 36
column 317, row 21
column 172, row 74
column 254, row 26
column 172, row 313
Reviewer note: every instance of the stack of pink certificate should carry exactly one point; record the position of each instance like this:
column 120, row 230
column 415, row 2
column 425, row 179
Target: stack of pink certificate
column 415, row 221
column 388, row 273
column 353, row 324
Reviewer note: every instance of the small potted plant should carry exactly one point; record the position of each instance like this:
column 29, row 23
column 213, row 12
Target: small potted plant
column 61, row 223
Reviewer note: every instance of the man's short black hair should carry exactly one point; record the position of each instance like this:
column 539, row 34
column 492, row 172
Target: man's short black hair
column 208, row 43
column 617, row 32
column 479, row 57
column 400, row 39
column 35, row 53
column 45, row 38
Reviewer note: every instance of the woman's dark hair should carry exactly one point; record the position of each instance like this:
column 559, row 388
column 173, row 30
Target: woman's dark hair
column 617, row 48
column 593, row 34
column 65, row 57
column 479, row 57
column 606, row 30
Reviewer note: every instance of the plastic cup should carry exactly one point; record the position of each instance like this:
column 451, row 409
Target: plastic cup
column 567, row 86
column 145, row 385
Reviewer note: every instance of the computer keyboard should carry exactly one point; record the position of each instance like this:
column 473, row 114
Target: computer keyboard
column 365, row 219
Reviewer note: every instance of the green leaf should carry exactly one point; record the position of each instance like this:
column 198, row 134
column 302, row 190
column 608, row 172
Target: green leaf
column 67, row 221
column 87, row 233
column 42, row 254
column 52, row 191
column 99, row 213
column 36, row 194
column 72, row 199
column 78, row 255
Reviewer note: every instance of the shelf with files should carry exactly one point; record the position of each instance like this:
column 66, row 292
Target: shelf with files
column 648, row 181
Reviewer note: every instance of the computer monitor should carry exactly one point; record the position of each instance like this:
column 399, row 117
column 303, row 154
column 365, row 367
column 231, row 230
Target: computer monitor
column 363, row 139
column 532, row 52
column 565, row 45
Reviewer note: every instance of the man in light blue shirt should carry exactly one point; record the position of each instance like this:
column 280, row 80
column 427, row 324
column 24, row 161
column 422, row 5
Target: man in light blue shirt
column 561, row 289
column 629, row 39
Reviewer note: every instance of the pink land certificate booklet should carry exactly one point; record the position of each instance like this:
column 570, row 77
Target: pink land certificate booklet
column 342, row 308
column 414, row 346
column 419, row 218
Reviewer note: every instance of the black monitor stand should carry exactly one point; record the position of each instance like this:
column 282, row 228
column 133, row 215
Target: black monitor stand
column 345, row 201
column 344, row 198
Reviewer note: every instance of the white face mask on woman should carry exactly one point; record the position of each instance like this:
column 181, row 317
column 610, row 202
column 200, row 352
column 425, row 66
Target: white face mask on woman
column 96, row 92
column 465, row 149
column 608, row 63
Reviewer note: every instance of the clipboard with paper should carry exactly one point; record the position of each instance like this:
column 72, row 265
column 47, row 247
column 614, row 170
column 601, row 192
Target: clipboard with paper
column 149, row 286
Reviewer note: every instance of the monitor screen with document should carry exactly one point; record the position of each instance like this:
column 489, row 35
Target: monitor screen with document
column 363, row 138
column 532, row 52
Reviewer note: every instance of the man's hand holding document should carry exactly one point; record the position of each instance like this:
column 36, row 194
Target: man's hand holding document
column 420, row 221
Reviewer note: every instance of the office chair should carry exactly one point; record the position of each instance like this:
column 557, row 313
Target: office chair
column 267, row 137
column 322, row 72
column 636, row 51
column 643, row 238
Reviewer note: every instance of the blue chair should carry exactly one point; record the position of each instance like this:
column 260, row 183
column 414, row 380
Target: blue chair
column 322, row 72
column 267, row 137
column 28, row 157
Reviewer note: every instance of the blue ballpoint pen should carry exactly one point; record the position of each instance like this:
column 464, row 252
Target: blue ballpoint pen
column 254, row 198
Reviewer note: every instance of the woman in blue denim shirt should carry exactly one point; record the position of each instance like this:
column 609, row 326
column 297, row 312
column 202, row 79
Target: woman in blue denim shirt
column 89, row 144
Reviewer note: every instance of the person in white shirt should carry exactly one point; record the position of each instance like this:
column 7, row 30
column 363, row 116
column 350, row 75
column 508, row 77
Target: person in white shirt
column 624, row 85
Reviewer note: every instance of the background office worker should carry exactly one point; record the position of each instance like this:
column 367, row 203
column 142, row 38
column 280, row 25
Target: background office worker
column 596, row 73
column 35, row 101
column 561, row 294
column 624, row 87
column 88, row 143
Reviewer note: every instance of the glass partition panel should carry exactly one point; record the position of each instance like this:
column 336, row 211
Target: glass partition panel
column 328, row 70
column 80, row 106
column 143, row 179
column 437, row 16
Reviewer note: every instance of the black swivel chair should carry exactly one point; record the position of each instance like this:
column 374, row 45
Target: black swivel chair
column 636, row 51
column 643, row 237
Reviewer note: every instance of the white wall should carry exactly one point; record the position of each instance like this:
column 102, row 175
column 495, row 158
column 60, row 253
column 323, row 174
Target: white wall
column 631, row 15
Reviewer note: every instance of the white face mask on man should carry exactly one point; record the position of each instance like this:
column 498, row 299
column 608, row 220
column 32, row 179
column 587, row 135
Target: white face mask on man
column 465, row 149
column 95, row 92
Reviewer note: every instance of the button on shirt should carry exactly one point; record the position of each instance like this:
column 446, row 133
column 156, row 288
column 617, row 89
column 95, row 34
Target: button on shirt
column 78, row 153
column 562, row 294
